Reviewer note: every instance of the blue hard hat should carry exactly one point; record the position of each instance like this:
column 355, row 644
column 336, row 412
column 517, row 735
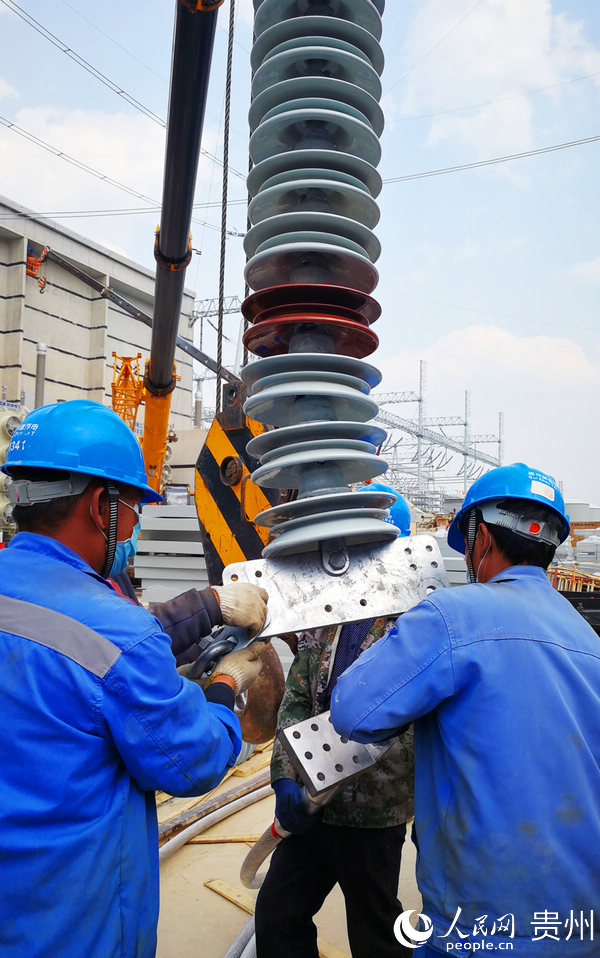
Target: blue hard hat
column 82, row 437
column 398, row 512
column 517, row 481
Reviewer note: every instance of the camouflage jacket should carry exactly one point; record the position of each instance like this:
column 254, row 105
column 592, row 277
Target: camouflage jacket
column 382, row 795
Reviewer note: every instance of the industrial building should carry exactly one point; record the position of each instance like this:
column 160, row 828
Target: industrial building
column 79, row 328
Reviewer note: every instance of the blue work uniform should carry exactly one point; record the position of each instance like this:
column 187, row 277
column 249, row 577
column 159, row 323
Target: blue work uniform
column 502, row 681
column 95, row 718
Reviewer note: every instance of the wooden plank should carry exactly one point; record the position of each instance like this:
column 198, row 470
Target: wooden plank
column 225, row 839
column 252, row 765
column 238, row 896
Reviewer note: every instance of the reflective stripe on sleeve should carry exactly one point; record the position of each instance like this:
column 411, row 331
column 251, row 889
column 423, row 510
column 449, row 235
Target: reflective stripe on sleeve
column 59, row 632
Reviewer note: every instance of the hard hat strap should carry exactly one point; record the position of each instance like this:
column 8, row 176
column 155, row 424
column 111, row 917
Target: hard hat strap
column 470, row 537
column 27, row 492
column 111, row 540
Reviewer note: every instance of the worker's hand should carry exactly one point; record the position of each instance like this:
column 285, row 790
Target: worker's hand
column 243, row 604
column 290, row 810
column 243, row 666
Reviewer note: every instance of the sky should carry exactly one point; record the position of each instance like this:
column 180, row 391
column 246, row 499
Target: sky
column 491, row 275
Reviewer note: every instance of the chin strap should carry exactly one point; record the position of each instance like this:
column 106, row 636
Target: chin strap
column 111, row 539
column 470, row 537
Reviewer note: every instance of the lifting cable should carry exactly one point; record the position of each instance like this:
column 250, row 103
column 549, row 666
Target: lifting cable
column 224, row 203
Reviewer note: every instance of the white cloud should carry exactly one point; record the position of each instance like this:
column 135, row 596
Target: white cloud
column 589, row 270
column 501, row 49
column 543, row 385
column 6, row 90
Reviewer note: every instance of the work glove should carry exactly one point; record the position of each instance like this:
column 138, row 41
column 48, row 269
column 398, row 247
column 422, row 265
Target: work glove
column 242, row 666
column 290, row 809
column 243, row 604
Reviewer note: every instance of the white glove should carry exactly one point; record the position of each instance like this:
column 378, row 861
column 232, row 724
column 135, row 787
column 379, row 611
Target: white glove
column 243, row 604
column 242, row 666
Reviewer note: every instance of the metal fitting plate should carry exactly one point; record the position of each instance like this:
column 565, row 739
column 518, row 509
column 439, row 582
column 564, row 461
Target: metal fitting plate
column 324, row 759
column 383, row 579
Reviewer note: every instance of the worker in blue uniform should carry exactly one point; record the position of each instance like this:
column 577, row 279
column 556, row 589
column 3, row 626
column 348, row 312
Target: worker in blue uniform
column 501, row 678
column 96, row 716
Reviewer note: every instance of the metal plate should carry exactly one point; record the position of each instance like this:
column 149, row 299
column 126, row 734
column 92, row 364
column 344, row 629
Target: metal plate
column 313, row 505
column 340, row 91
column 291, row 471
column 324, row 759
column 299, row 362
column 306, row 293
column 362, row 12
column 315, row 159
column 303, row 62
column 330, row 129
column 311, row 263
column 272, row 337
column 384, row 579
column 317, row 26
column 276, row 407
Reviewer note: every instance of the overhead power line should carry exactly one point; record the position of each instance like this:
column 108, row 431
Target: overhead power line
column 96, row 173
column 493, row 161
column 500, row 99
column 98, row 74
column 435, row 46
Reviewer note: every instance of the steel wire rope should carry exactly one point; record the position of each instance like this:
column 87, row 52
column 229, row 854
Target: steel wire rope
column 226, row 125
column 97, row 74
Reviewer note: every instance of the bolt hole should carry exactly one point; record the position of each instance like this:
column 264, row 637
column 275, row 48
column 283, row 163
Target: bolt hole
column 363, row 602
column 326, row 747
column 321, row 776
column 258, row 573
column 308, row 755
column 355, row 759
column 314, row 727
column 408, row 551
column 234, row 578
column 430, row 588
column 339, row 768
column 328, row 608
column 296, row 734
column 343, row 740
column 413, row 566
column 434, row 565
column 429, row 548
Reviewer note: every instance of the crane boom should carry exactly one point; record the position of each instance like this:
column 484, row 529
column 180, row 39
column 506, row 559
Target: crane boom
column 195, row 27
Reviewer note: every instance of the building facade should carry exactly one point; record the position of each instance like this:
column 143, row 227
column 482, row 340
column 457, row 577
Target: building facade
column 79, row 327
